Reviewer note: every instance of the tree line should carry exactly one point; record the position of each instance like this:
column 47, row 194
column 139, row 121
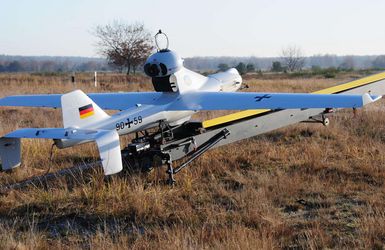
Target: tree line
column 52, row 64
column 277, row 64
column 243, row 64
column 125, row 47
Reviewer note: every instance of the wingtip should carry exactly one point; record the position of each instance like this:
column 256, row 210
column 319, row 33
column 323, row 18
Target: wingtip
column 366, row 98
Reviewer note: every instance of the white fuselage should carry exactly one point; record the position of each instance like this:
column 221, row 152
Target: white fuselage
column 143, row 117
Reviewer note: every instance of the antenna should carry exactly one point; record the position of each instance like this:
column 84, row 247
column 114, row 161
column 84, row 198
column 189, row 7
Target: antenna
column 157, row 41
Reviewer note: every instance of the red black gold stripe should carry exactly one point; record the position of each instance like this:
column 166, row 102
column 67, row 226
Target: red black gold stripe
column 86, row 111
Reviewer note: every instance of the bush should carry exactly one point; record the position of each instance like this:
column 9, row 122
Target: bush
column 330, row 72
column 223, row 67
column 250, row 67
column 276, row 67
column 241, row 67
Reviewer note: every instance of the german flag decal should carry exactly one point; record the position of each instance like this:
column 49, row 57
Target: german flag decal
column 86, row 111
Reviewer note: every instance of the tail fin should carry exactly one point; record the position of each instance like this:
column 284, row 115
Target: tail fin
column 79, row 110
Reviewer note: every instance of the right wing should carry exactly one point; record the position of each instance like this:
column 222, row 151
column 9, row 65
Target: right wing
column 114, row 101
column 256, row 100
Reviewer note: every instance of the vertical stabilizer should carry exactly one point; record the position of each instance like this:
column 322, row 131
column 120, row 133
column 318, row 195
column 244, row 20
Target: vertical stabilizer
column 80, row 111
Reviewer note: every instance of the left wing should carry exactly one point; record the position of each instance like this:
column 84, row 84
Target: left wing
column 115, row 101
column 255, row 100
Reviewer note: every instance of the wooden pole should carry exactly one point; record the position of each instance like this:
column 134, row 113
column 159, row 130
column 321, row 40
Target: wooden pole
column 96, row 79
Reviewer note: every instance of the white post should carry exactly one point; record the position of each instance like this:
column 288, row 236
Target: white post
column 95, row 79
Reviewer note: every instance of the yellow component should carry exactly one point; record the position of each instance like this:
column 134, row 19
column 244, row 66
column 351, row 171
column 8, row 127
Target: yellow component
column 87, row 115
column 331, row 90
column 352, row 84
column 233, row 117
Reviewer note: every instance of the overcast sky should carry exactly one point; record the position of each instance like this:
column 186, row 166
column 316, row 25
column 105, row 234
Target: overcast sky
column 198, row 27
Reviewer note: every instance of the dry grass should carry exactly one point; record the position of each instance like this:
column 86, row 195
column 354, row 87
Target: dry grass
column 305, row 186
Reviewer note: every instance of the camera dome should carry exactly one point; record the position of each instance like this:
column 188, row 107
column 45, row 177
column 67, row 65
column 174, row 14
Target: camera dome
column 163, row 63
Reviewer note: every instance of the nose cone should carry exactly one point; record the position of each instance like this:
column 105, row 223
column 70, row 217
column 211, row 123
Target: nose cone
column 163, row 63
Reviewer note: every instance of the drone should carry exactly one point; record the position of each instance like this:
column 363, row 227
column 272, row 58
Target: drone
column 161, row 120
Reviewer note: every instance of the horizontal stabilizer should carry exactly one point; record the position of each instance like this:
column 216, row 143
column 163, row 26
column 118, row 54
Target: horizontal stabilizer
column 56, row 133
column 107, row 141
column 242, row 101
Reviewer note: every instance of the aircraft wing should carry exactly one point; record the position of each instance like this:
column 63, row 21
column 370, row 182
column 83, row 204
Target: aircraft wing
column 203, row 100
column 107, row 141
column 115, row 101
column 254, row 100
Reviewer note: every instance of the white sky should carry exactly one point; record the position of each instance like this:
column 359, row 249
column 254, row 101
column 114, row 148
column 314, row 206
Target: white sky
column 198, row 28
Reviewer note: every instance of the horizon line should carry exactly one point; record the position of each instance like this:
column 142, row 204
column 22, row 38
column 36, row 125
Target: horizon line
column 198, row 56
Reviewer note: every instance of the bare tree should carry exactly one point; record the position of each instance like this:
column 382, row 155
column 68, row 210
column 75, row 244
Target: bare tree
column 124, row 45
column 293, row 58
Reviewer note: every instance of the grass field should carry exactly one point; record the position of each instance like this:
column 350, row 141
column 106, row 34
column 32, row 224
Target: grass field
column 304, row 186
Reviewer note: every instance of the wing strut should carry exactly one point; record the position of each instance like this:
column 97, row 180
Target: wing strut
column 198, row 152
